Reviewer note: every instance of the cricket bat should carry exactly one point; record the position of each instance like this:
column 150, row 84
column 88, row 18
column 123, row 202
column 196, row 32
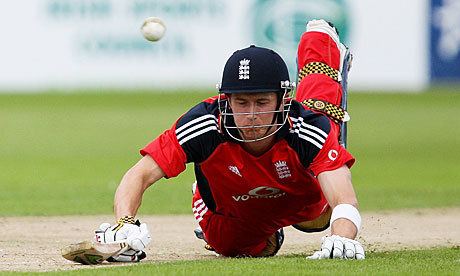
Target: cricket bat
column 91, row 252
column 344, row 105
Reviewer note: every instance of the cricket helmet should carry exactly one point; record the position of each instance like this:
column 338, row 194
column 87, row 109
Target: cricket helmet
column 255, row 70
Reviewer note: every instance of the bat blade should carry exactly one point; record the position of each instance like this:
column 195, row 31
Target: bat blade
column 91, row 253
column 344, row 105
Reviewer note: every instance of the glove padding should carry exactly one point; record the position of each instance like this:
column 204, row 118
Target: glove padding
column 337, row 247
column 136, row 235
column 128, row 256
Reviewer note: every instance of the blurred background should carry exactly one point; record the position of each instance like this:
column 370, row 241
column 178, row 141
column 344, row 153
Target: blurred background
column 81, row 91
column 74, row 44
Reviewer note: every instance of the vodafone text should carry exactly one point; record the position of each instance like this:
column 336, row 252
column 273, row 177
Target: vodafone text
column 260, row 192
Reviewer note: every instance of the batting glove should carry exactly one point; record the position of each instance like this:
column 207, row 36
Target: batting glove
column 337, row 247
column 134, row 233
column 129, row 256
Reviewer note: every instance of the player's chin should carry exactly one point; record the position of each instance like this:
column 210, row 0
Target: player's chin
column 253, row 134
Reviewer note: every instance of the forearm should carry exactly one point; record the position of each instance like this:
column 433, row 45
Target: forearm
column 338, row 189
column 128, row 196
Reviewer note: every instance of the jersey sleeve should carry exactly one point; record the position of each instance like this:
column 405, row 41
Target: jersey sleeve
column 332, row 155
column 192, row 138
column 167, row 153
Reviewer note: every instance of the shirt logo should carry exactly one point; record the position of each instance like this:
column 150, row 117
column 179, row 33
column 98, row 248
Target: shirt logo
column 333, row 154
column 234, row 170
column 260, row 192
column 282, row 169
column 244, row 69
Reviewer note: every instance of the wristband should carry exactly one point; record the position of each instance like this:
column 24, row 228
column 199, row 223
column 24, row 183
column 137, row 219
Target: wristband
column 126, row 219
column 347, row 211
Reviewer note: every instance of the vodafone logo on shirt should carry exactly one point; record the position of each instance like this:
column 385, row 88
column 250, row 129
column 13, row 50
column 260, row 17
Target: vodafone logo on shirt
column 260, row 192
column 333, row 154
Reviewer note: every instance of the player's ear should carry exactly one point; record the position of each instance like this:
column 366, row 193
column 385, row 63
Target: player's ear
column 229, row 96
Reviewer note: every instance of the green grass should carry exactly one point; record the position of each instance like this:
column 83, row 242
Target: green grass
column 65, row 153
column 407, row 149
column 444, row 261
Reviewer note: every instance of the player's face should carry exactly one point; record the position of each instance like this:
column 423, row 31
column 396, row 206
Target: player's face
column 257, row 113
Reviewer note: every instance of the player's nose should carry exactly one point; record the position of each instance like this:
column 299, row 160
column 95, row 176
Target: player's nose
column 251, row 113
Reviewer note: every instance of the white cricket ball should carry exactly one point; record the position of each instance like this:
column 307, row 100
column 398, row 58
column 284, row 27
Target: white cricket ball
column 153, row 28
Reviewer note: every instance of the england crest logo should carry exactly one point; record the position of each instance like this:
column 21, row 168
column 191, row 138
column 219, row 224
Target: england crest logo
column 244, row 69
column 282, row 169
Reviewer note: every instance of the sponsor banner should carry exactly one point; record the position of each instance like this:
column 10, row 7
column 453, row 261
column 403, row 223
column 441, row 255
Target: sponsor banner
column 97, row 43
column 445, row 40
column 74, row 44
column 389, row 40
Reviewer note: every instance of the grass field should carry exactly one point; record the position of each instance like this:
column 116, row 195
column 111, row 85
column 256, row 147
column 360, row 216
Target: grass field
column 65, row 153
column 444, row 261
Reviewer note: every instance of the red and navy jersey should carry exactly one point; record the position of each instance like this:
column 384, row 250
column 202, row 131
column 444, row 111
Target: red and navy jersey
column 279, row 186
